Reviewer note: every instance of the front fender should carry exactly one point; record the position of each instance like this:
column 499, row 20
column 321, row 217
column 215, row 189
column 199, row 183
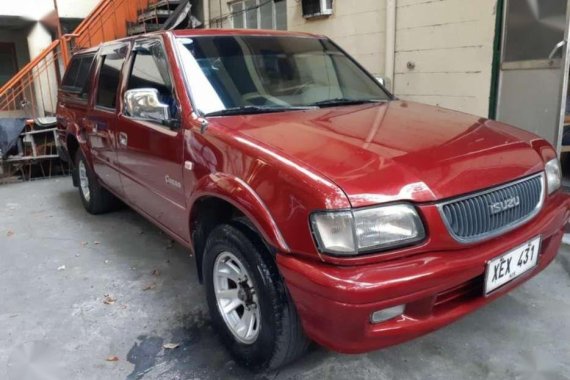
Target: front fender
column 239, row 194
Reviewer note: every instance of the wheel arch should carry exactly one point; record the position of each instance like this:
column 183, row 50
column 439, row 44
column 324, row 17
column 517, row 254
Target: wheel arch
column 72, row 145
column 222, row 198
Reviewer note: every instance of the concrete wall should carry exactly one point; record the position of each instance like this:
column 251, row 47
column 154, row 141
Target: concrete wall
column 215, row 14
column 36, row 9
column 30, row 9
column 45, row 92
column 31, row 38
column 450, row 43
column 76, row 8
column 356, row 26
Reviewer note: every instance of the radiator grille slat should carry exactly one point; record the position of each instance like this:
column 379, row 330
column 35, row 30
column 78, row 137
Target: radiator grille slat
column 493, row 211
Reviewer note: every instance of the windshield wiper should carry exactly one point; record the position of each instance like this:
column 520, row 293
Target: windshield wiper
column 250, row 110
column 343, row 102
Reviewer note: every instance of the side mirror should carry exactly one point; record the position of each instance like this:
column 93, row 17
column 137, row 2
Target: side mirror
column 144, row 103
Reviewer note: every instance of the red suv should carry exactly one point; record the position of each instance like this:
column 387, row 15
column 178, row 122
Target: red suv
column 317, row 205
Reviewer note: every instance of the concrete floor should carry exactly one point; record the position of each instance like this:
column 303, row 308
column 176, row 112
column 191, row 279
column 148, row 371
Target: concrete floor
column 57, row 264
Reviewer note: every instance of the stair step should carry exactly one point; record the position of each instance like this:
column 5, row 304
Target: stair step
column 171, row 4
column 134, row 29
column 154, row 14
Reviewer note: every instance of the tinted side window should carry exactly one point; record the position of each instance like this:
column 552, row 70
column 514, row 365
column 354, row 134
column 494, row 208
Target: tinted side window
column 71, row 73
column 109, row 76
column 83, row 82
column 150, row 70
column 77, row 75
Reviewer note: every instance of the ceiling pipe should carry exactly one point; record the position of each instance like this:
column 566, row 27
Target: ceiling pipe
column 390, row 50
column 59, row 30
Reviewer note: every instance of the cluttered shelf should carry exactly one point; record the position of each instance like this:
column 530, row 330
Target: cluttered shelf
column 28, row 149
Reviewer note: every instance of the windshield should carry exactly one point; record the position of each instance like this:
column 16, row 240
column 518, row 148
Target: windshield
column 245, row 73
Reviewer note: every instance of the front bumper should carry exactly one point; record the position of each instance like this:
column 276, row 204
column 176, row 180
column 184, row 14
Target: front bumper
column 335, row 302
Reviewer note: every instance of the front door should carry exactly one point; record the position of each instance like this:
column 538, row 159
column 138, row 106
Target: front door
column 151, row 154
column 100, row 123
column 534, row 67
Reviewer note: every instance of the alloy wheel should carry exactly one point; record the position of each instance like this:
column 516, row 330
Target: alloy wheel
column 236, row 298
column 84, row 181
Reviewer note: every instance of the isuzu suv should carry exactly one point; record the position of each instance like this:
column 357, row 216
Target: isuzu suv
column 317, row 205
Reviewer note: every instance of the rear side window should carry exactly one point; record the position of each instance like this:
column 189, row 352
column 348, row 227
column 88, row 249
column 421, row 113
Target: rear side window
column 109, row 77
column 77, row 75
column 71, row 73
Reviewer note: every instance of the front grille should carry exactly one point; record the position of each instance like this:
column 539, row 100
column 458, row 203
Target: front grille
column 492, row 212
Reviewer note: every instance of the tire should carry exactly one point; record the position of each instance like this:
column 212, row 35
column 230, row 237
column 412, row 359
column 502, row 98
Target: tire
column 278, row 337
column 95, row 198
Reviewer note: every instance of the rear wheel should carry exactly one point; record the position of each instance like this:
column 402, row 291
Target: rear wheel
column 83, row 181
column 95, row 198
column 249, row 304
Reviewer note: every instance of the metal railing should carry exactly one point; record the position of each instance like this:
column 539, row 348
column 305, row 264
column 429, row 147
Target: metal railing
column 108, row 22
column 32, row 92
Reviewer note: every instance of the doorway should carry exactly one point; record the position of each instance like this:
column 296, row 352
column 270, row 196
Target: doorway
column 533, row 75
column 8, row 62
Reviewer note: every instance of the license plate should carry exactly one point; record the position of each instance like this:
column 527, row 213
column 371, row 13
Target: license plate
column 511, row 265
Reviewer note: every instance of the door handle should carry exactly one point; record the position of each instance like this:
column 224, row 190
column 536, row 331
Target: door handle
column 557, row 47
column 89, row 124
column 123, row 139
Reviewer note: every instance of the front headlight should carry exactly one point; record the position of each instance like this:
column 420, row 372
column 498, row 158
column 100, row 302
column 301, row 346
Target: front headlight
column 553, row 181
column 348, row 233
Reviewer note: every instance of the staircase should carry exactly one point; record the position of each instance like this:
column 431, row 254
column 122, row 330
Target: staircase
column 153, row 18
column 32, row 92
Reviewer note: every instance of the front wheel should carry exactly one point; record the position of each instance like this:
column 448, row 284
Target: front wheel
column 248, row 302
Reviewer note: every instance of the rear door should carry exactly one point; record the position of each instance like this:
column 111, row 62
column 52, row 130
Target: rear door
column 101, row 121
column 74, row 94
column 151, row 154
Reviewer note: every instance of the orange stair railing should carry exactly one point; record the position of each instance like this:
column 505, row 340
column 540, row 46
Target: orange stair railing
column 108, row 22
column 32, row 92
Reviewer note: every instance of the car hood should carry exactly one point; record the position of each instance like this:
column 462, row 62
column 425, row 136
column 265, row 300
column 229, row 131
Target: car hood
column 396, row 150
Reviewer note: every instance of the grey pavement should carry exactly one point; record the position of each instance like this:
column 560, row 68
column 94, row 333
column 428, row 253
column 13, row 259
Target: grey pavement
column 78, row 291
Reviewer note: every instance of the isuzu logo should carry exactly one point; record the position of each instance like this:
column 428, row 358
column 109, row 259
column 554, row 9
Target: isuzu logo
column 504, row 205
